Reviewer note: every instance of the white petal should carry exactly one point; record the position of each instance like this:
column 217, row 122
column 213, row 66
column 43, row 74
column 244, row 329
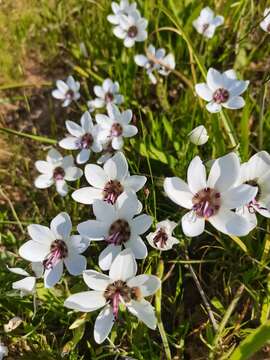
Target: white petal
column 83, row 156
column 107, row 256
column 135, row 182
column 96, row 280
column 236, row 102
column 230, row 223
column 117, row 143
column 144, row 312
column 196, row 175
column 18, row 271
column 73, row 173
column 178, row 191
column 61, row 226
column 127, row 205
column 103, row 324
column 213, row 107
column 33, row 251
column 198, row 136
column 26, row 285
column 74, row 129
column 77, row 244
column 44, row 167
column 104, row 211
column 204, row 91
column 238, row 87
column 148, row 284
column 43, row 181
column 238, row 196
column 119, row 32
column 93, row 229
column 87, row 122
column 257, row 166
column 98, row 90
column 61, row 187
column 96, row 176
column 250, row 216
column 75, row 264
column 69, row 143
column 129, row 131
column 54, row 156
column 192, row 225
column 218, row 20
column 38, row 269
column 129, row 42
column 86, row 301
column 141, row 60
column 41, row 234
column 67, row 162
column 140, row 224
column 224, row 172
column 138, row 247
column 207, row 14
column 116, row 167
column 57, row 94
column 53, row 275
column 62, row 86
column 124, row 266
column 87, row 195
column 214, row 79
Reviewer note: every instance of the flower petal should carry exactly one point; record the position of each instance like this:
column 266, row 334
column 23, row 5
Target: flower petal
column 104, row 211
column 61, row 226
column 204, row 91
column 192, row 225
column 87, row 195
column 34, row 251
column 144, row 312
column 127, row 205
column 86, row 301
column 140, row 224
column 75, row 264
column 135, row 182
column 138, row 247
column 116, row 167
column 26, row 285
column 214, row 79
column 103, row 324
column 44, row 167
column 41, row 234
column 61, row 187
column 213, row 107
column 107, row 256
column 238, row 196
column 83, row 156
column 93, row 229
column 178, row 191
column 74, row 129
column 236, row 102
column 196, row 175
column 96, row 176
column 53, row 275
column 69, row 143
column 148, row 284
column 96, row 280
column 73, row 173
column 43, row 181
column 124, row 266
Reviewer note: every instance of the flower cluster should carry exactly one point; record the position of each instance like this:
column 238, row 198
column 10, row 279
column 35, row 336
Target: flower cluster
column 228, row 198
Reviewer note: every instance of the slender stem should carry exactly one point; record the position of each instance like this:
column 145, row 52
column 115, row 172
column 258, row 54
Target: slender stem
column 225, row 321
column 158, row 314
column 200, row 289
column 229, row 129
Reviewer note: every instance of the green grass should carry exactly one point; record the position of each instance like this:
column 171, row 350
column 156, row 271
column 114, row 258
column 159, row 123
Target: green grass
column 53, row 32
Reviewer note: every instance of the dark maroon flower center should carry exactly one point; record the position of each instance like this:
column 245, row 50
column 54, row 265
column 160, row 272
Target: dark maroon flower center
column 221, row 96
column 109, row 97
column 116, row 130
column 119, row 232
column 112, row 190
column 205, row 27
column 58, row 251
column 160, row 239
column 86, row 141
column 206, row 203
column 132, row 31
column 254, row 203
column 58, row 173
column 70, row 94
column 118, row 291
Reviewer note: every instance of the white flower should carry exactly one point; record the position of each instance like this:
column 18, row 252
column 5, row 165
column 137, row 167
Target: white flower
column 124, row 8
column 212, row 199
column 265, row 24
column 117, row 226
column 198, row 136
column 108, row 93
column 256, row 172
column 54, row 246
column 115, row 126
column 207, row 22
column 109, row 182
column 131, row 28
column 122, row 286
column 67, row 91
column 3, row 351
column 56, row 170
column 222, row 89
column 27, row 285
column 155, row 60
column 84, row 138
column 162, row 238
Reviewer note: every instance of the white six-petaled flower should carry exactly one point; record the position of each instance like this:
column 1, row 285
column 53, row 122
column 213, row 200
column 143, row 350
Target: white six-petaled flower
column 212, row 199
column 27, row 285
column 56, row 170
column 67, row 91
column 155, row 61
column 207, row 22
column 131, row 28
column 122, row 286
column 199, row 135
column 123, row 8
column 256, row 172
column 161, row 238
column 108, row 93
column 115, row 126
column 118, row 226
column 265, row 23
column 109, row 182
column 83, row 138
column 222, row 89
column 54, row 246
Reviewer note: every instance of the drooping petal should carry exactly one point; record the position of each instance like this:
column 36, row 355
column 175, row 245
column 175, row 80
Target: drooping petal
column 103, row 324
column 26, row 285
column 96, row 280
column 87, row 195
column 18, row 271
column 61, row 226
column 86, row 301
column 178, row 191
column 53, row 275
column 107, row 256
column 192, row 225
column 144, row 312
column 196, row 175
column 148, row 284
column 124, row 266
column 224, row 172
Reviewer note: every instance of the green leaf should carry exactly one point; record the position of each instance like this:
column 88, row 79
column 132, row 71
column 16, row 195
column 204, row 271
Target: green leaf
column 252, row 343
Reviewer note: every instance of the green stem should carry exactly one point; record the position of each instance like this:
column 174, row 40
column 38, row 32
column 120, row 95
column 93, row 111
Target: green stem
column 229, row 129
column 158, row 314
column 30, row 136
